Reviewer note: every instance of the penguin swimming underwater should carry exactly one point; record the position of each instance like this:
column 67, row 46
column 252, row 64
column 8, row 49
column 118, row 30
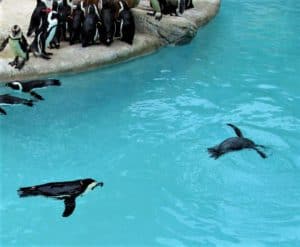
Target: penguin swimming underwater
column 19, row 46
column 234, row 144
column 67, row 191
column 27, row 87
column 6, row 99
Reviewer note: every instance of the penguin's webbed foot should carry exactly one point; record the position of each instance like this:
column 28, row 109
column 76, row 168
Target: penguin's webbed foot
column 20, row 65
column 158, row 16
column 45, row 56
column 48, row 53
column 14, row 62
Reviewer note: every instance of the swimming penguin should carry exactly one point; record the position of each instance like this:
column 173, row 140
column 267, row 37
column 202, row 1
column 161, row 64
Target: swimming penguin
column 67, row 191
column 234, row 144
column 6, row 99
column 19, row 46
column 45, row 35
column 27, row 87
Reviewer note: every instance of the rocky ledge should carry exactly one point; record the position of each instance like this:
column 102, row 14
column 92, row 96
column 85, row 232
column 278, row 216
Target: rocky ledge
column 150, row 35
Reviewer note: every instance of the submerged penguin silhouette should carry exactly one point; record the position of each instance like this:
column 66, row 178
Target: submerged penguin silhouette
column 67, row 191
column 234, row 144
column 7, row 99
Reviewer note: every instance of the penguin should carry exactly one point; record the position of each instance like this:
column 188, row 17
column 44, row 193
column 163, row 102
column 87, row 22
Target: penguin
column 19, row 46
column 235, row 144
column 45, row 35
column 90, row 28
column 76, row 22
column 64, row 13
column 107, row 28
column 38, row 16
column 7, row 99
column 27, row 87
column 126, row 23
column 67, row 191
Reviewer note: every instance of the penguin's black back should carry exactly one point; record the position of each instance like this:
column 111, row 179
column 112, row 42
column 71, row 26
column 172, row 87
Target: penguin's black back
column 29, row 85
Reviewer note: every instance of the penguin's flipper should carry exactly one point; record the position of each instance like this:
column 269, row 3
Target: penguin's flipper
column 36, row 95
column 237, row 131
column 70, row 205
column 2, row 111
column 4, row 43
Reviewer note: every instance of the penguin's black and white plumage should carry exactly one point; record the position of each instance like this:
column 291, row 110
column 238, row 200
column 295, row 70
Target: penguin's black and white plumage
column 19, row 46
column 38, row 16
column 126, row 24
column 234, row 144
column 77, row 19
column 7, row 99
column 28, row 86
column 90, row 28
column 67, row 191
column 45, row 35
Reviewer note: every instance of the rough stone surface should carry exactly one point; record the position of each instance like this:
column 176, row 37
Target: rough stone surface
column 150, row 35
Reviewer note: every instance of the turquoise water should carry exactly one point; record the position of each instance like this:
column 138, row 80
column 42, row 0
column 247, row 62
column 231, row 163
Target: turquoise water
column 143, row 128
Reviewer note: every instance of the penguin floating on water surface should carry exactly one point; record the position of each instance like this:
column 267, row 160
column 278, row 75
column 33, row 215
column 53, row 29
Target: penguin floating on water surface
column 67, row 191
column 19, row 46
column 235, row 144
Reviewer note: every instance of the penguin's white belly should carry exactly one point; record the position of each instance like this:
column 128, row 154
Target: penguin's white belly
column 16, row 48
column 50, row 35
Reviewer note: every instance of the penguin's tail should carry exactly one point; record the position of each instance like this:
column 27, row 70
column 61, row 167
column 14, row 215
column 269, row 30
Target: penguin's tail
column 214, row 152
column 28, row 191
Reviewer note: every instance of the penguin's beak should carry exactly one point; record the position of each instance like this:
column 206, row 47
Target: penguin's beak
column 100, row 184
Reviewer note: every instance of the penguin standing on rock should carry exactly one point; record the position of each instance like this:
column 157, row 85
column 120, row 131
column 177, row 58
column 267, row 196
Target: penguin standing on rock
column 45, row 35
column 27, row 87
column 19, row 46
column 38, row 16
column 125, row 23
column 90, row 28
column 76, row 22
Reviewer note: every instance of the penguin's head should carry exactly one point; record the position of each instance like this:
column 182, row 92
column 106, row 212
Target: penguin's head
column 14, row 85
column 55, row 6
column 90, row 184
column 15, row 30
